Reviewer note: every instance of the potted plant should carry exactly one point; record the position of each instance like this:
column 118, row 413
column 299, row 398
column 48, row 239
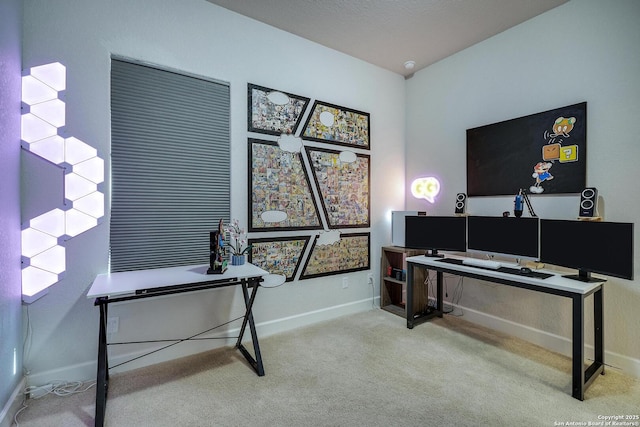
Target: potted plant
column 237, row 242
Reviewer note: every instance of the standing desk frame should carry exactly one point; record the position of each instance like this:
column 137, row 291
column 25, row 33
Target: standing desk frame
column 556, row 285
column 133, row 285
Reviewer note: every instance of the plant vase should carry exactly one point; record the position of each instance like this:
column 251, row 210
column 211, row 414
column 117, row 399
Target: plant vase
column 237, row 259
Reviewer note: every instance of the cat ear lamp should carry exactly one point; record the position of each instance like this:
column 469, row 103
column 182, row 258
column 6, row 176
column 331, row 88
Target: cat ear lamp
column 43, row 134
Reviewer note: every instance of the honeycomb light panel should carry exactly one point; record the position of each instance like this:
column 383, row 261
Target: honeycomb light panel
column 51, row 148
column 92, row 205
column 53, row 75
column 35, row 242
column 92, row 169
column 76, row 186
column 34, row 128
column 77, row 222
column 34, row 91
column 52, row 112
column 42, row 126
column 76, row 151
column 35, row 282
column 51, row 260
column 51, row 222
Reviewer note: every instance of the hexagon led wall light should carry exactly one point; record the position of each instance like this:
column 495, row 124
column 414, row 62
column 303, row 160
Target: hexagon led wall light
column 43, row 121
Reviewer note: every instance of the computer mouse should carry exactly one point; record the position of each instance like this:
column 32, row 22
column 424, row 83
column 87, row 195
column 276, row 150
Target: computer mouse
column 525, row 270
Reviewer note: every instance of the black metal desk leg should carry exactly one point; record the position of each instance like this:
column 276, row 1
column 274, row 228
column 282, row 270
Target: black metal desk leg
column 598, row 326
column 577, row 370
column 102, row 378
column 440, row 293
column 248, row 318
column 409, row 304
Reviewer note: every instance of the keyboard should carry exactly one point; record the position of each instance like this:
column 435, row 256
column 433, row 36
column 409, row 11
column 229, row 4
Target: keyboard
column 519, row 272
column 501, row 269
column 482, row 263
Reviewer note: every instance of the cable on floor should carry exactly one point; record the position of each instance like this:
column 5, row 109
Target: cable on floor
column 56, row 387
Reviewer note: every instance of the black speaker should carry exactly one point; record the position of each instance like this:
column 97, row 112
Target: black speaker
column 588, row 202
column 461, row 203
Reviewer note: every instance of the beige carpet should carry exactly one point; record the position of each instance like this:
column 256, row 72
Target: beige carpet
column 366, row 369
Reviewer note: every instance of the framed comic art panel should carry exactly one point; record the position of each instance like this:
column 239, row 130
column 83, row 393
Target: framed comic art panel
column 350, row 253
column 272, row 111
column 337, row 125
column 278, row 255
column 280, row 196
column 342, row 178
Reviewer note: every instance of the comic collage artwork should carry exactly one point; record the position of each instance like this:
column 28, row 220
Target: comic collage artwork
column 317, row 188
column 279, row 184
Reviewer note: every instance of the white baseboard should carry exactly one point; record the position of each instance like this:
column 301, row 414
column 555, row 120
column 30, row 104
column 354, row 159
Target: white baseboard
column 13, row 405
column 87, row 371
column 305, row 319
column 550, row 341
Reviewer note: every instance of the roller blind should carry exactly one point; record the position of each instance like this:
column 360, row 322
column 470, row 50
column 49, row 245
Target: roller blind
column 170, row 166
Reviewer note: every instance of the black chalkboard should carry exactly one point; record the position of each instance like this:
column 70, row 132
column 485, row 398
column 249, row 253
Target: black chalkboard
column 543, row 153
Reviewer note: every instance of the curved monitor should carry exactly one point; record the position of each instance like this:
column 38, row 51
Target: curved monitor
column 588, row 246
column 511, row 236
column 434, row 233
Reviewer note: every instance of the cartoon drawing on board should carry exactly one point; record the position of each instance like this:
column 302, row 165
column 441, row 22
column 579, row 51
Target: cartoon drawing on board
column 553, row 150
column 561, row 127
column 541, row 174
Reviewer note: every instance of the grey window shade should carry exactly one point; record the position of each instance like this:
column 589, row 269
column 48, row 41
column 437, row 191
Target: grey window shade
column 170, row 166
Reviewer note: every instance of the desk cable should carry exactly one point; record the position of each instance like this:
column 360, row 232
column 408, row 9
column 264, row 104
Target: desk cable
column 456, row 296
column 57, row 387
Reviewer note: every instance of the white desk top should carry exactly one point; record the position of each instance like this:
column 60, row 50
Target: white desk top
column 554, row 282
column 128, row 282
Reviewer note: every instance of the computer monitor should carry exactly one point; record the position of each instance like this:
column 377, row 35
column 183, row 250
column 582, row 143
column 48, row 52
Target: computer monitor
column 511, row 236
column 588, row 246
column 434, row 233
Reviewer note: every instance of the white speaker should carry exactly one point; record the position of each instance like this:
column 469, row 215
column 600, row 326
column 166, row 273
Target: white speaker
column 397, row 225
column 588, row 202
column 461, row 203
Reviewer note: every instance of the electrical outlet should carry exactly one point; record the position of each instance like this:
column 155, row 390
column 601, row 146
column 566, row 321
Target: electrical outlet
column 370, row 278
column 112, row 325
column 345, row 282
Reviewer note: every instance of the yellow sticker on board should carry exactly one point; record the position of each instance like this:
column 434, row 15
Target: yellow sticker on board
column 568, row 153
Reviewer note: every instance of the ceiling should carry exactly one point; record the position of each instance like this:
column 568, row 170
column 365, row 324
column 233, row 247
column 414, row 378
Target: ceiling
column 388, row 33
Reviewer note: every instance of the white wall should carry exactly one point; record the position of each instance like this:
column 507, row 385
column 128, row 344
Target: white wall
column 584, row 50
column 200, row 38
column 10, row 290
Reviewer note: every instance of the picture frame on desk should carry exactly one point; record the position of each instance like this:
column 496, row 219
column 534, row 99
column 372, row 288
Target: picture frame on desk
column 217, row 264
